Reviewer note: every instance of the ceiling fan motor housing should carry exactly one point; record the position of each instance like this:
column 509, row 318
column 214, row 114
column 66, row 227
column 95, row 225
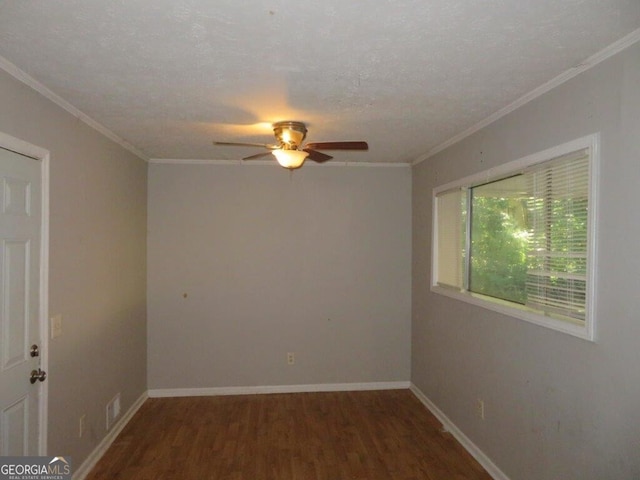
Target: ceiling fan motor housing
column 290, row 134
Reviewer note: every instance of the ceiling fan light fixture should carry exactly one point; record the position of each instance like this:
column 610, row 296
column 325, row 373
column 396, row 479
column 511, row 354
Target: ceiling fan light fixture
column 290, row 159
column 290, row 134
column 290, row 152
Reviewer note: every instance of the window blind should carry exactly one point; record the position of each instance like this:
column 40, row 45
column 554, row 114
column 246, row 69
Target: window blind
column 556, row 281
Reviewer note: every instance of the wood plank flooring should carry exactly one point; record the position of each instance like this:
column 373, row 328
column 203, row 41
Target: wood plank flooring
column 304, row 436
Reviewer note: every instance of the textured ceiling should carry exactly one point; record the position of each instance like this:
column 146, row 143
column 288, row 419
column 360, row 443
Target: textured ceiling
column 169, row 76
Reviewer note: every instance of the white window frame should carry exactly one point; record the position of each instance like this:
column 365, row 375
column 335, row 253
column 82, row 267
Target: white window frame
column 587, row 330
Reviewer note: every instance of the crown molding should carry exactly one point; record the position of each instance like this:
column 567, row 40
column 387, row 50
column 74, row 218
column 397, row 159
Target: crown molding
column 590, row 62
column 27, row 79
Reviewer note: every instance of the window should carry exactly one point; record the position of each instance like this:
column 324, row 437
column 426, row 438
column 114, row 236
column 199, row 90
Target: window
column 519, row 239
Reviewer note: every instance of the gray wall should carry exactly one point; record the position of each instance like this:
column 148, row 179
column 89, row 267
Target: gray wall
column 316, row 262
column 97, row 278
column 557, row 407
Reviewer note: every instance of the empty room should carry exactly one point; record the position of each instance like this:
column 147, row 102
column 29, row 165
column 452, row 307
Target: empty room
column 319, row 240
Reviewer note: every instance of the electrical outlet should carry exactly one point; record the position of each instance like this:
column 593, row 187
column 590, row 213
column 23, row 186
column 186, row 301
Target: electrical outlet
column 82, row 425
column 291, row 358
column 480, row 408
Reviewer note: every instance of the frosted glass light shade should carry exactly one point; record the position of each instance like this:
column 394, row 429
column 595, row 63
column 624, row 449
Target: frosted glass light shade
column 290, row 158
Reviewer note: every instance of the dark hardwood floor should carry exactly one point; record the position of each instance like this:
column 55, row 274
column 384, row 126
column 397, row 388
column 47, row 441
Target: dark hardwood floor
column 304, row 436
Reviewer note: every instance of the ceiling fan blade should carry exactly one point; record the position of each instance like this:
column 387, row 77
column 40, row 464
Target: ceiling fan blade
column 257, row 155
column 317, row 156
column 338, row 146
column 235, row 144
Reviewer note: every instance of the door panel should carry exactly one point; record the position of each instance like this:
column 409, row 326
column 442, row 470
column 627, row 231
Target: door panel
column 20, row 231
column 14, row 422
column 15, row 295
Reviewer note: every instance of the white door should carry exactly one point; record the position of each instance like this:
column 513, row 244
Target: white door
column 20, row 237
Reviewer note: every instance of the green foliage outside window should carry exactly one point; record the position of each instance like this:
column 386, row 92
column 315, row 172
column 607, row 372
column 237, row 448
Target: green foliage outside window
column 524, row 247
column 499, row 233
column 519, row 243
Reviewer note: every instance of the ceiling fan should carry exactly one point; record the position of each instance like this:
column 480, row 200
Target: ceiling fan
column 290, row 152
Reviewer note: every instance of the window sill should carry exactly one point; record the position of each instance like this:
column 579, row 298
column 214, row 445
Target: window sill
column 573, row 327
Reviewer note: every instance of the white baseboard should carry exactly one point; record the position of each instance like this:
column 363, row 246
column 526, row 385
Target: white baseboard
column 99, row 451
column 323, row 387
column 471, row 447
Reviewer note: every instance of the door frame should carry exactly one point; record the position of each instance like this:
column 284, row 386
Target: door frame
column 42, row 155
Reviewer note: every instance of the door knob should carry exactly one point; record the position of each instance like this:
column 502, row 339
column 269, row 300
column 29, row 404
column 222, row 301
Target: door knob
column 35, row 351
column 37, row 375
